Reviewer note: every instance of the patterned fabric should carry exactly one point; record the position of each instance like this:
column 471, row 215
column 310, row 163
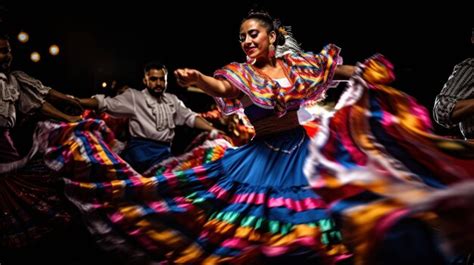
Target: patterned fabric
column 237, row 126
column 141, row 153
column 368, row 162
column 204, row 151
column 218, row 212
column 310, row 74
column 459, row 86
column 119, row 126
column 31, row 204
column 376, row 156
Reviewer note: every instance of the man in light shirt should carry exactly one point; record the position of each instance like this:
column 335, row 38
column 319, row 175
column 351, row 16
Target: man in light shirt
column 153, row 115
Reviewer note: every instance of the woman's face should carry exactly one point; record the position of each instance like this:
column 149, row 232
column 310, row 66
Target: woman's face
column 254, row 39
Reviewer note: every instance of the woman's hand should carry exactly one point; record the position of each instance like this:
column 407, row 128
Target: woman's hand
column 212, row 86
column 187, row 77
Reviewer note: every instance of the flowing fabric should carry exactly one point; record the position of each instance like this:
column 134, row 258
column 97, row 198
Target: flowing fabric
column 217, row 212
column 31, row 203
column 216, row 204
column 376, row 155
column 367, row 163
column 205, row 151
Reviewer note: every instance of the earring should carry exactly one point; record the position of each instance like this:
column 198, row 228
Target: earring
column 271, row 51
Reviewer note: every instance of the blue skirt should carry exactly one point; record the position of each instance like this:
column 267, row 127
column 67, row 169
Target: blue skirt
column 253, row 204
column 142, row 153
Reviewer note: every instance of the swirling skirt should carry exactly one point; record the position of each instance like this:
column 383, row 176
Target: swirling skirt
column 31, row 204
column 251, row 204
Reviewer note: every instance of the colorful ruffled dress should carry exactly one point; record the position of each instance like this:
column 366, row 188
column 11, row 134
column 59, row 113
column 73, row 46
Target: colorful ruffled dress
column 251, row 204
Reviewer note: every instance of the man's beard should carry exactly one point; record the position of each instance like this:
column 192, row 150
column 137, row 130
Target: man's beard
column 156, row 93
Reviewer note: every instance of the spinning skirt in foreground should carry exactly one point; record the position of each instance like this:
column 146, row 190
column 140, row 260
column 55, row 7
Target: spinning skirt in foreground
column 252, row 203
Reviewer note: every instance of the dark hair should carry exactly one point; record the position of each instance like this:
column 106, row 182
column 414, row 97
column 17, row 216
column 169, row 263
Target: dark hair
column 155, row 65
column 264, row 18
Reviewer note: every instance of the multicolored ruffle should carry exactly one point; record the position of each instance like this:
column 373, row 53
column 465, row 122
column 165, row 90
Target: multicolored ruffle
column 377, row 155
column 251, row 203
column 310, row 74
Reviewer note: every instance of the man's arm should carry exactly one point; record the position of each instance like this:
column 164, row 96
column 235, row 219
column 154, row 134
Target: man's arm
column 52, row 112
column 89, row 103
column 55, row 96
column 122, row 105
column 186, row 116
column 203, row 124
column 462, row 110
column 451, row 105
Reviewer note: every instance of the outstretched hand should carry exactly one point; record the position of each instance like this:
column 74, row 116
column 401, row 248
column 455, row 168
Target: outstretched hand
column 187, row 77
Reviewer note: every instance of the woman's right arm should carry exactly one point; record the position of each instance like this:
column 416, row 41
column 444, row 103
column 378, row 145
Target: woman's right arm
column 212, row 86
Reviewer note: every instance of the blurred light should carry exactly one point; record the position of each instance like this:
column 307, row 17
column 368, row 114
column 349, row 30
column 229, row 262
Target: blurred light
column 54, row 50
column 35, row 57
column 23, row 37
column 104, row 84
